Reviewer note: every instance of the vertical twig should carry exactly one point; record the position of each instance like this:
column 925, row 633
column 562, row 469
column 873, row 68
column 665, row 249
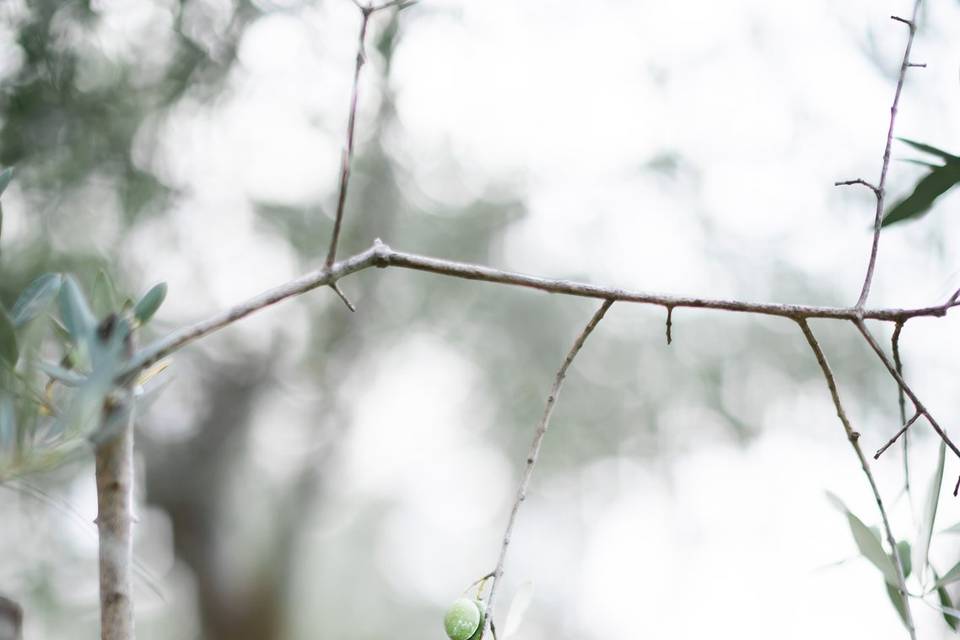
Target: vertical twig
column 902, row 401
column 854, row 439
column 534, row 452
column 862, row 327
column 880, row 190
column 347, row 156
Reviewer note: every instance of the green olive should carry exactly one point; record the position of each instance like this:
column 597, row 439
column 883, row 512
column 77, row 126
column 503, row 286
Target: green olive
column 464, row 620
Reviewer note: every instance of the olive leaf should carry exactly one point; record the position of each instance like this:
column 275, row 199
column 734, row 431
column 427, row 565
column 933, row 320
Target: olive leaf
column 103, row 297
column 8, row 338
column 75, row 312
column 944, row 597
column 950, row 576
column 926, row 148
column 35, row 298
column 899, row 602
column 922, row 548
column 940, row 180
column 868, row 542
column 150, row 302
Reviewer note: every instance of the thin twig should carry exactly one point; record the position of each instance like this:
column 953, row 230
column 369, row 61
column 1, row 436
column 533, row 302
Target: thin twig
column 854, row 439
column 380, row 255
column 858, row 181
column 903, row 432
column 881, row 185
column 861, row 325
column 535, row 450
column 901, row 401
column 347, row 155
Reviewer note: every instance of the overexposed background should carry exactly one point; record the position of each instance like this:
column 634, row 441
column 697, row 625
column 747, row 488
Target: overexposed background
column 685, row 147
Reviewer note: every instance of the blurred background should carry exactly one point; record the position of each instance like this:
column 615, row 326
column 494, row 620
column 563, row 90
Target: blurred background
column 312, row 473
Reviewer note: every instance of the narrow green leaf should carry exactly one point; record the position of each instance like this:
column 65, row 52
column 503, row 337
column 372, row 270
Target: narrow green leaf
column 868, row 541
column 5, row 177
column 944, row 597
column 869, row 544
column 929, row 517
column 922, row 163
column 104, row 295
column 75, row 312
column 899, row 602
column 150, row 302
column 950, row 576
column 64, row 376
column 930, row 187
column 8, row 338
column 35, row 298
column 952, row 529
column 926, row 148
column 903, row 547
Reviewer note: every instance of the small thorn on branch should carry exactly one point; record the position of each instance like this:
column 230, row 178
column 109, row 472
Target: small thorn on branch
column 669, row 325
column 897, row 435
column 909, row 23
column 919, row 65
column 956, row 488
column 343, row 296
column 860, row 181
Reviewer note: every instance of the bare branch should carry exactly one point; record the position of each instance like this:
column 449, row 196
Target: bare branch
column 380, row 255
column 903, row 385
column 346, row 158
column 881, row 186
column 896, row 436
column 535, row 450
column 901, row 401
column 858, row 181
column 854, row 439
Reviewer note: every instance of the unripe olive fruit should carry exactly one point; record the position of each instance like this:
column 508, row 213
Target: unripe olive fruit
column 464, row 620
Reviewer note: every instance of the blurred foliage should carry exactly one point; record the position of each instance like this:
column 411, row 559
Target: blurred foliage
column 74, row 113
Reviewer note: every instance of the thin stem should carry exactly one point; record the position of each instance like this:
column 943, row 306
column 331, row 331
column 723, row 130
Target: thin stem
column 901, row 401
column 903, row 432
column 347, row 156
column 880, row 190
column 380, row 255
column 534, row 452
column 854, row 439
column 861, row 325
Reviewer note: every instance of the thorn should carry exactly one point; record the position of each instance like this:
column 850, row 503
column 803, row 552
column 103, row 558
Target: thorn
column 669, row 325
column 860, row 181
column 956, row 488
column 909, row 23
column 919, row 65
column 343, row 296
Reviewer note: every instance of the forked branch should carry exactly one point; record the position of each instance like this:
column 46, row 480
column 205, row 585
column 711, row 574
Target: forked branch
column 853, row 438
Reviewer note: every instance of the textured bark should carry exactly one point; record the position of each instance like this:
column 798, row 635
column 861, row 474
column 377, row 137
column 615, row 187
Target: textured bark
column 114, row 469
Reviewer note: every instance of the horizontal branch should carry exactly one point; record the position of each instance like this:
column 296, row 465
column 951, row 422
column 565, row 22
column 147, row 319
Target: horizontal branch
column 382, row 256
column 391, row 258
